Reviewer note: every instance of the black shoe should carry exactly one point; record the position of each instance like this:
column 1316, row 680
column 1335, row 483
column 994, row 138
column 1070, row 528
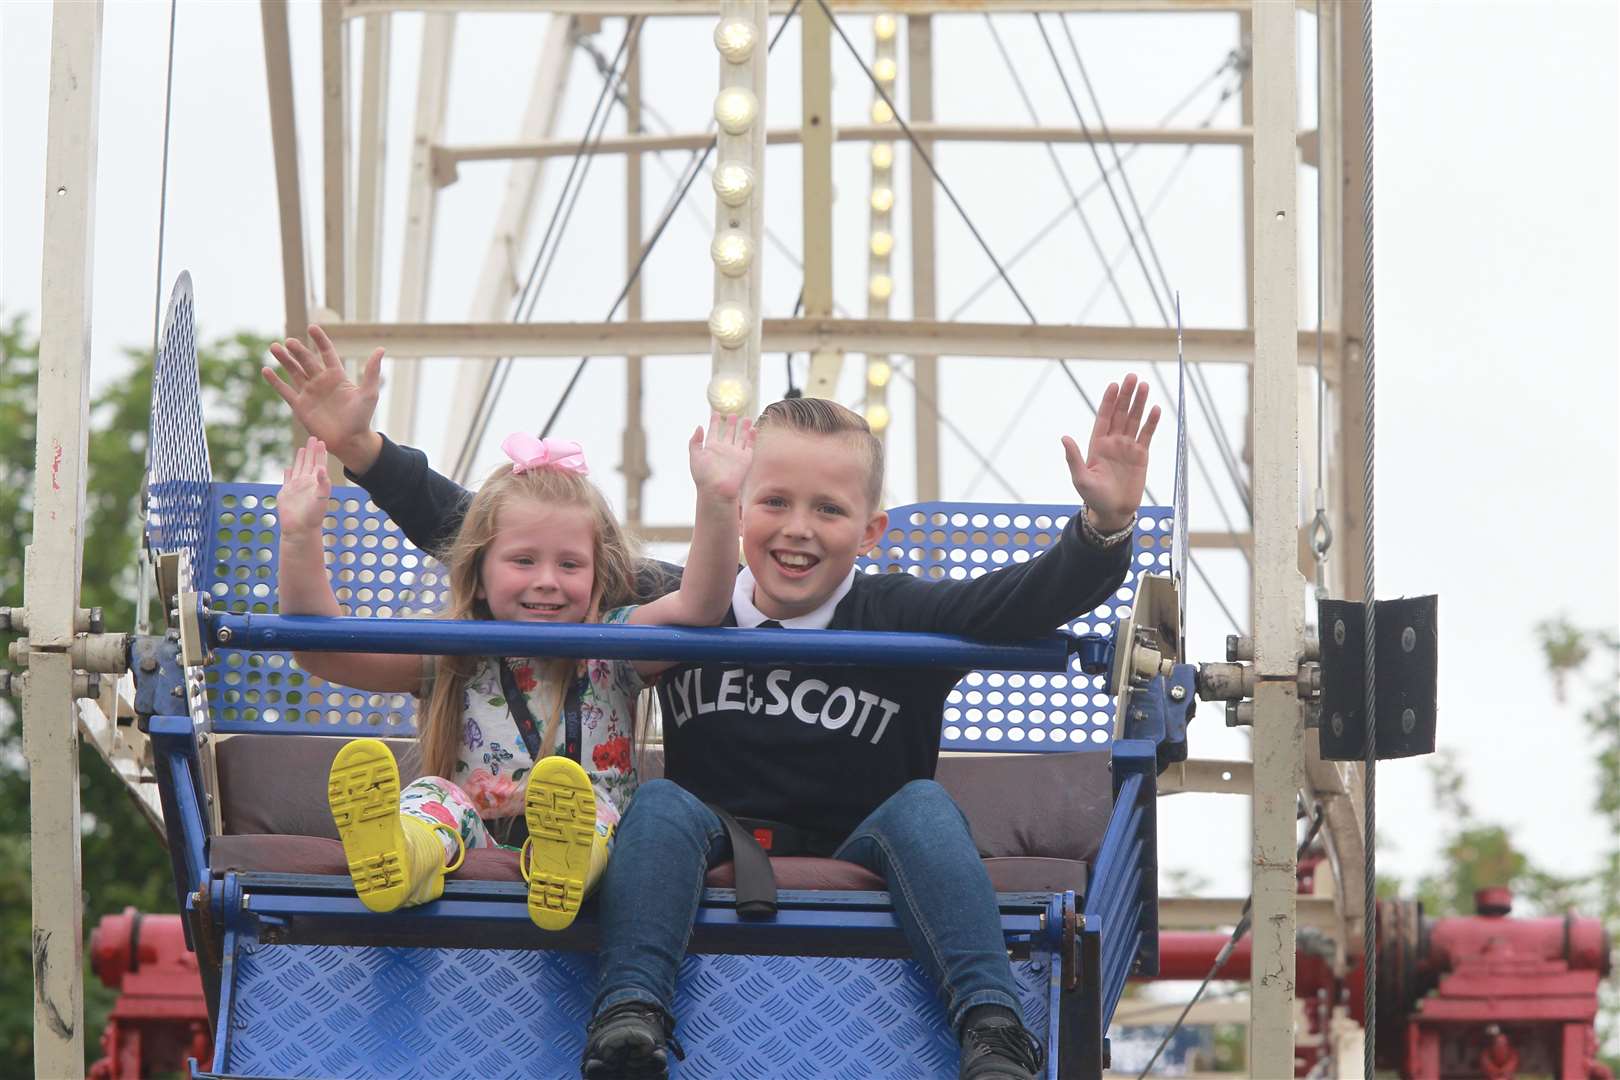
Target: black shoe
column 629, row 1041
column 1000, row 1049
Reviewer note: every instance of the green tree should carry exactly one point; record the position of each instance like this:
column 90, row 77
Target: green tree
column 123, row 860
column 1475, row 854
column 1594, row 657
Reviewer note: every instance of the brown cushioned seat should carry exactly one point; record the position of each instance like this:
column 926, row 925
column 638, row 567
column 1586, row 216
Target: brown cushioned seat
column 1037, row 819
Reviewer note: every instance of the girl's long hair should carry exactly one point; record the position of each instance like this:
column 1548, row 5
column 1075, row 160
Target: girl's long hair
column 614, row 559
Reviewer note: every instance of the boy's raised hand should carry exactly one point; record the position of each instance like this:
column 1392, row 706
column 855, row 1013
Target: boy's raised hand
column 1113, row 472
column 326, row 401
column 720, row 461
column 305, row 488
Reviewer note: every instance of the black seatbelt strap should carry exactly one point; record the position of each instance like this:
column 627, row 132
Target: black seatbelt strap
column 518, row 703
column 755, row 880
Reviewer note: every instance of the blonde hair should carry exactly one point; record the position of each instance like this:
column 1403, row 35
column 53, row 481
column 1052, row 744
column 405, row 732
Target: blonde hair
column 614, row 557
column 819, row 416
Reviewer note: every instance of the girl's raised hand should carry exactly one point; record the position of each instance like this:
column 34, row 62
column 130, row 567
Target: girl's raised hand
column 1111, row 476
column 305, row 487
column 720, row 461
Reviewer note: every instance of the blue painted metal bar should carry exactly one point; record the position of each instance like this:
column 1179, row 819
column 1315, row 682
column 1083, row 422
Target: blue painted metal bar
column 1121, row 826
column 238, row 927
column 175, row 753
column 788, row 920
column 448, row 637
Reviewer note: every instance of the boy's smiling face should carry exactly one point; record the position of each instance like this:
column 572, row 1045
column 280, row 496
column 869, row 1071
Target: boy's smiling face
column 806, row 515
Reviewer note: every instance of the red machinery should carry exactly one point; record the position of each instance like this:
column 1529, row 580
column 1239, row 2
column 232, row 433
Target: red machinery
column 1467, row 996
column 161, row 1017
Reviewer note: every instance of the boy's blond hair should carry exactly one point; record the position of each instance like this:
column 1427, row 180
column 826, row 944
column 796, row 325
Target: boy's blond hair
column 818, row 416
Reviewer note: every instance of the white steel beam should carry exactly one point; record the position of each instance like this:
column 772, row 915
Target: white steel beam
column 1208, row 775
column 1203, row 913
column 284, row 144
column 498, row 277
column 1278, row 587
column 368, row 215
column 924, row 304
column 634, row 450
column 447, row 158
column 681, row 337
column 335, row 172
column 609, row 8
column 54, row 559
column 421, row 211
column 816, row 133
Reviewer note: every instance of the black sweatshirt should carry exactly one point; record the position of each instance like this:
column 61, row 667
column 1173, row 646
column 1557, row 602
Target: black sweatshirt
column 815, row 747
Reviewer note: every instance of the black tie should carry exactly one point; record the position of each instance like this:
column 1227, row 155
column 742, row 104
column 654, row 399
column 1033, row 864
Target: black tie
column 770, row 624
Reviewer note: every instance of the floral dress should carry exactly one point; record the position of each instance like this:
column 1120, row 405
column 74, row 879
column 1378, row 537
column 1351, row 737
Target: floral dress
column 493, row 762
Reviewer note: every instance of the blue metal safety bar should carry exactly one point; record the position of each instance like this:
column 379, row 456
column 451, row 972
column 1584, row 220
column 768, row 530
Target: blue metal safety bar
column 446, row 637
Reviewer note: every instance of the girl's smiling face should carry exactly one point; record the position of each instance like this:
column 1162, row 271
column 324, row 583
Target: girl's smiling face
column 539, row 567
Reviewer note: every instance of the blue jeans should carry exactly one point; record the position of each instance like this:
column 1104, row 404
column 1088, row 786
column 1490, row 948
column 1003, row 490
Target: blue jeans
column 917, row 840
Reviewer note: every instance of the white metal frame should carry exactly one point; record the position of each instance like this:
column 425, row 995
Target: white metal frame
column 54, row 560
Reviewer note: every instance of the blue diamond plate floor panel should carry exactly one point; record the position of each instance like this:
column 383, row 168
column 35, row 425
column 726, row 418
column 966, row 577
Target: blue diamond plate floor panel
column 333, row 1010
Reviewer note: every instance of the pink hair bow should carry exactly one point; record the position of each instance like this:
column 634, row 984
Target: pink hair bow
column 528, row 452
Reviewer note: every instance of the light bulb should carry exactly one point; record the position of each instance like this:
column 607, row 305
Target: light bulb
column 735, row 108
column 882, row 244
column 735, row 40
column 883, row 27
column 728, row 396
column 881, row 286
column 733, row 183
column 885, row 69
column 730, row 325
column 878, row 372
column 881, row 113
column 882, row 155
column 882, row 200
column 877, row 416
column 732, row 251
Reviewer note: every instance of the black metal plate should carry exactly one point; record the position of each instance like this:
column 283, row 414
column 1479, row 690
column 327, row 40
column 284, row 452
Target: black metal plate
column 1407, row 674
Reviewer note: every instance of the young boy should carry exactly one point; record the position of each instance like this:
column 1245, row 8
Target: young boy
column 844, row 757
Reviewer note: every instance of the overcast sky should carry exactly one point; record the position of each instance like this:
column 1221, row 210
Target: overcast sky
column 1496, row 288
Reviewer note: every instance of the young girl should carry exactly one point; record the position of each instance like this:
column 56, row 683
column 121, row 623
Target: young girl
column 505, row 736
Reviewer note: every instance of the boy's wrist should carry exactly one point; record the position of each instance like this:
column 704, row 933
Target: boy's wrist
column 1104, row 530
column 709, row 500
column 359, row 453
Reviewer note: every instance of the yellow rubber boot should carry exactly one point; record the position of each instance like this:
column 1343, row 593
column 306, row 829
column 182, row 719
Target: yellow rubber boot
column 394, row 861
column 559, row 807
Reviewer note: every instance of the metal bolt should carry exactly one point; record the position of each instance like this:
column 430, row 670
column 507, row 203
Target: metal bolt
column 1408, row 720
column 1178, row 693
column 1338, row 631
column 149, row 665
column 178, row 691
column 1239, row 714
column 1338, row 724
column 98, row 622
column 224, row 635
column 1408, row 639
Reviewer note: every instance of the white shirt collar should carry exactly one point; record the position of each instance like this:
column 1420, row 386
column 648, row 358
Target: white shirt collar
column 749, row 616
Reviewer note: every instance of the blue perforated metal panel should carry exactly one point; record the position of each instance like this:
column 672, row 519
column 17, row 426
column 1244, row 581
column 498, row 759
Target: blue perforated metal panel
column 177, row 485
column 376, row 572
column 329, row 1010
column 1017, row 710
